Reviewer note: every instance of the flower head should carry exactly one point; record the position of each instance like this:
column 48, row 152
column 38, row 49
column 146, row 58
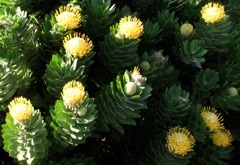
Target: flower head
column 131, row 28
column 137, row 78
column 20, row 109
column 186, row 29
column 73, row 93
column 179, row 141
column 77, row 45
column 68, row 17
column 158, row 56
column 212, row 119
column 222, row 138
column 213, row 12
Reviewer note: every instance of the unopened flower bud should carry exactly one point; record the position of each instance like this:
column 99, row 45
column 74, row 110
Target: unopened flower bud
column 130, row 88
column 232, row 91
column 120, row 36
column 158, row 56
column 145, row 66
column 186, row 29
column 181, row 100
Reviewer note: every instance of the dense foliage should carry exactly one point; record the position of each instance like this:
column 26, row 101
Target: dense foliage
column 120, row 82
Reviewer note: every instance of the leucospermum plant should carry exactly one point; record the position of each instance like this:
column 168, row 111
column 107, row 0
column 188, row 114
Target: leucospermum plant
column 214, row 22
column 25, row 133
column 78, row 45
column 72, row 63
column 120, row 102
column 73, row 116
column 173, row 145
column 118, row 51
column 218, row 145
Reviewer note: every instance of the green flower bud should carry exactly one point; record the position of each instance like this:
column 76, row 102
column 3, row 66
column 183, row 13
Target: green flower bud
column 186, row 29
column 232, row 91
column 130, row 88
column 145, row 66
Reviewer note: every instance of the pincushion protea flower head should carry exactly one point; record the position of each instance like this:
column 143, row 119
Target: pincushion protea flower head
column 20, row 109
column 222, row 138
column 78, row 45
column 73, row 93
column 68, row 17
column 130, row 27
column 213, row 12
column 212, row 119
column 179, row 141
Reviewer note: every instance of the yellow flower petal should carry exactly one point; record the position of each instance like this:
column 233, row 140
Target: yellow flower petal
column 78, row 45
column 213, row 12
column 73, row 93
column 68, row 17
column 20, row 109
column 131, row 28
column 179, row 141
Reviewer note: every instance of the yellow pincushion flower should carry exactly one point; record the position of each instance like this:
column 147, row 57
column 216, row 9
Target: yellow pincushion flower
column 130, row 27
column 212, row 119
column 68, row 17
column 73, row 93
column 179, row 141
column 78, row 45
column 213, row 12
column 20, row 109
column 222, row 138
